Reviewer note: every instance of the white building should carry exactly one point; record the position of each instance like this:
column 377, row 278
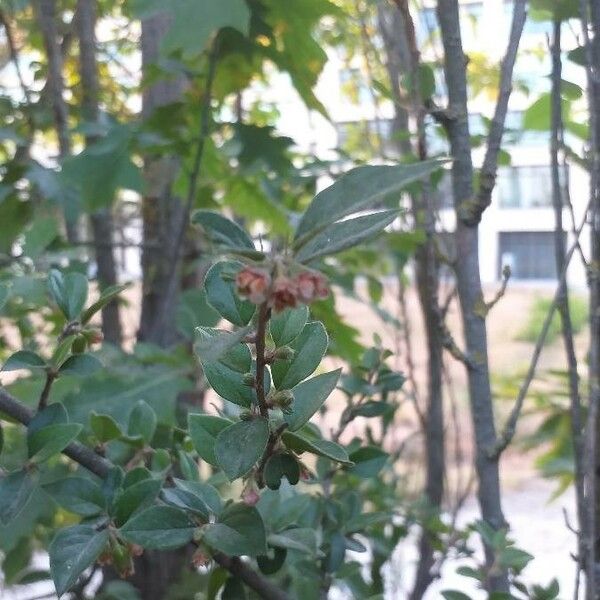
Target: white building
column 517, row 229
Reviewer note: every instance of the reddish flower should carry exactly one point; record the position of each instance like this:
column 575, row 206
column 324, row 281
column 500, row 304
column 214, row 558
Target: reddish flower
column 284, row 294
column 250, row 495
column 311, row 286
column 200, row 558
column 253, row 283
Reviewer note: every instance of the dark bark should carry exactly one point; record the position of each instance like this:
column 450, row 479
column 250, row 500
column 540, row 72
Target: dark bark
column 101, row 222
column 46, row 16
column 562, row 298
column 489, row 169
column 468, row 279
column 162, row 211
column 590, row 17
column 403, row 57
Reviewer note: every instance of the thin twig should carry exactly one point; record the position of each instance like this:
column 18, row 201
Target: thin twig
column 50, row 378
column 203, row 133
column 489, row 169
column 261, row 330
column 509, row 429
column 14, row 56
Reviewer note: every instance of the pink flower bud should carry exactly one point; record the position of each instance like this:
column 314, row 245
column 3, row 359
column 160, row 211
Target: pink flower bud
column 250, row 495
column 311, row 286
column 284, row 294
column 253, row 283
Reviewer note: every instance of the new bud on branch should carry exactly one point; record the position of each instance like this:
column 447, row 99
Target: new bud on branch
column 284, row 291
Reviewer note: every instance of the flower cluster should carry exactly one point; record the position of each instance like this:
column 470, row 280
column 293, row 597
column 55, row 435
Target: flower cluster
column 283, row 291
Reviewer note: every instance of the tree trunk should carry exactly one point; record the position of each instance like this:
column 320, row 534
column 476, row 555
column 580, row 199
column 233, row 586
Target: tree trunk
column 101, row 222
column 402, row 57
column 162, row 211
column 468, row 279
column 46, row 15
column 562, row 304
column 590, row 15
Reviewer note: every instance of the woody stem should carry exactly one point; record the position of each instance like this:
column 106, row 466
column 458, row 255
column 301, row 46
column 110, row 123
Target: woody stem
column 261, row 330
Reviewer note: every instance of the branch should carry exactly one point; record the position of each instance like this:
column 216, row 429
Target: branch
column 489, row 169
column 78, row 452
column 203, row 133
column 509, row 429
column 261, row 329
column 485, row 307
column 250, row 577
column 45, row 11
column 50, row 377
column 101, row 467
column 14, row 56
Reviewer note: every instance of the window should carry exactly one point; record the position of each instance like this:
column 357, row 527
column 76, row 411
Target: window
column 529, row 254
column 526, row 187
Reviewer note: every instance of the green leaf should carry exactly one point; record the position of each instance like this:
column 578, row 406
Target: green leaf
column 222, row 296
column 15, row 490
column 203, row 491
column 364, row 521
column 4, row 294
column 368, row 461
column 279, row 466
column 537, row 116
column 287, row 325
column 345, row 234
column 159, row 528
column 371, row 409
column 40, row 234
column 298, row 443
column 302, row 539
column 72, row 551
column 229, row 384
column 195, row 21
column 309, row 348
column 52, row 415
column 241, row 445
column 225, row 233
column 135, row 498
column 226, row 375
column 102, row 168
column 50, row 440
column 24, row 359
column 360, row 188
column 211, row 344
column 104, row 427
column 69, row 291
column 194, row 311
column 196, row 497
column 79, row 495
column 142, row 422
column 454, row 595
column 107, row 296
column 309, row 396
column 203, row 431
column 81, row 365
column 240, row 531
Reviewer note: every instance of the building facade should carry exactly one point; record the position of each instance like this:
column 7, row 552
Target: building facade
column 518, row 228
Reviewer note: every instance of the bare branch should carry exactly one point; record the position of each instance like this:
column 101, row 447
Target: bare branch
column 489, row 169
column 509, row 429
